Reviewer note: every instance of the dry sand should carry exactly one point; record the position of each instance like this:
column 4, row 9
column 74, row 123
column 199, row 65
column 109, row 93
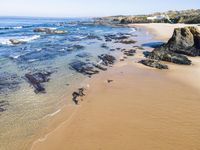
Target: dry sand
column 142, row 109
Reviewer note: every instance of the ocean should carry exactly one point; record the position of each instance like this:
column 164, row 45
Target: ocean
column 24, row 113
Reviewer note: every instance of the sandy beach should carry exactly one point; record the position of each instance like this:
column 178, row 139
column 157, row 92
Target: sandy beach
column 142, row 108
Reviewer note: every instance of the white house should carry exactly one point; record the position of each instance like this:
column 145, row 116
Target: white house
column 159, row 17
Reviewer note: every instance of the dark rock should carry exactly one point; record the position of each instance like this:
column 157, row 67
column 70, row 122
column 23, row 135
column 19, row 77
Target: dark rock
column 3, row 105
column 130, row 52
column 75, row 47
column 119, row 36
column 104, row 46
column 83, row 55
column 153, row 64
column 138, row 47
column 109, row 81
column 49, row 31
column 91, row 37
column 84, row 68
column 9, row 82
column 75, row 95
column 36, row 79
column 165, row 55
column 126, row 41
column 99, row 67
column 107, row 59
column 185, row 41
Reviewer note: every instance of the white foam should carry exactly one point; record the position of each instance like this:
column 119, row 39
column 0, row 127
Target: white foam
column 133, row 30
column 18, row 27
column 28, row 39
column 6, row 40
column 9, row 28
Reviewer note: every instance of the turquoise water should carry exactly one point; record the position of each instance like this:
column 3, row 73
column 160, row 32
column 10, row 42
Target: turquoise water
column 23, row 112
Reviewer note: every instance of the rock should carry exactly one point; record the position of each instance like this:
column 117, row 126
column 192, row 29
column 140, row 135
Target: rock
column 109, row 81
column 3, row 105
column 9, row 82
column 75, row 95
column 185, row 41
column 75, row 47
column 119, row 36
column 49, row 31
column 84, row 55
column 126, row 41
column 165, row 55
column 84, row 68
column 92, row 37
column 99, row 67
column 130, row 52
column 36, row 79
column 16, row 41
column 153, row 64
column 138, row 47
column 107, row 59
column 104, row 46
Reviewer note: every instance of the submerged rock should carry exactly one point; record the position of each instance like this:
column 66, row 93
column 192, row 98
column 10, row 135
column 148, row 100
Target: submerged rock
column 75, row 47
column 126, row 41
column 104, row 46
column 49, row 31
column 37, row 79
column 84, row 68
column 9, row 82
column 107, row 59
column 119, row 36
column 3, row 105
column 153, row 64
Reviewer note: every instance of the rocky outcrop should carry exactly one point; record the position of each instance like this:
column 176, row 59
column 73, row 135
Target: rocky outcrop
column 49, row 31
column 84, row 68
column 165, row 55
column 76, row 95
column 185, row 41
column 153, row 64
column 130, row 52
column 107, row 59
column 37, row 79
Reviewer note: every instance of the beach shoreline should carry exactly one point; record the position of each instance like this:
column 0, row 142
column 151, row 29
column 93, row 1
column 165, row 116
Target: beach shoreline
column 140, row 105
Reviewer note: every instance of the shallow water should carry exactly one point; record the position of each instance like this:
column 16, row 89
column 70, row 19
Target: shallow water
column 26, row 112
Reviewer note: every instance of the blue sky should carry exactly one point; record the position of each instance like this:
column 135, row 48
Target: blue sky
column 90, row 8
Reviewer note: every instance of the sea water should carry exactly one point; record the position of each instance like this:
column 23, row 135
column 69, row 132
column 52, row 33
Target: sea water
column 25, row 112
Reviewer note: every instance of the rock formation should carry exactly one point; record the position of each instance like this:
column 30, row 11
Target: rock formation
column 184, row 41
column 153, row 64
column 49, row 31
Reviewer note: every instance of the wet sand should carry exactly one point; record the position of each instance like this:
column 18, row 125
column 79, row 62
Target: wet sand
column 142, row 108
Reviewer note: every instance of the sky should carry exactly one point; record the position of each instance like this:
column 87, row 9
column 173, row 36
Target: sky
column 91, row 8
